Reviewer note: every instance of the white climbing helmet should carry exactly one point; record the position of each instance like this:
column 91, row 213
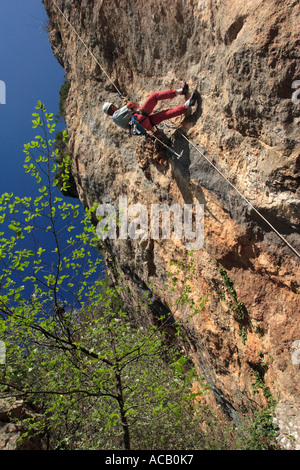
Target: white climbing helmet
column 106, row 107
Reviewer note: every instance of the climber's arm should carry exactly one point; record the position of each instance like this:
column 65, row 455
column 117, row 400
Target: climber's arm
column 133, row 105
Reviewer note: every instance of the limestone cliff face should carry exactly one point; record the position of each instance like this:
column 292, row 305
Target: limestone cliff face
column 243, row 58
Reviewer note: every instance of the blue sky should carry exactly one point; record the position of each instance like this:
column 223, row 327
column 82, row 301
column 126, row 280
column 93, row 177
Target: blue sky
column 30, row 73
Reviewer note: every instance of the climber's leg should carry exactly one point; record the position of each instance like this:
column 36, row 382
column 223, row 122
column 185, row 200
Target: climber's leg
column 161, row 116
column 153, row 99
column 156, row 118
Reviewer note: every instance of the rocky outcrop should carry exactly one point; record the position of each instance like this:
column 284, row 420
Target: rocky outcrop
column 242, row 58
column 14, row 424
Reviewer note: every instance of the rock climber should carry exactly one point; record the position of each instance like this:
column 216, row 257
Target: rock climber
column 144, row 114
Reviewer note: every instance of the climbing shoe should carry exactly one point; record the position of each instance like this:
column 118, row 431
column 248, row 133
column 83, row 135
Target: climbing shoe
column 193, row 98
column 185, row 88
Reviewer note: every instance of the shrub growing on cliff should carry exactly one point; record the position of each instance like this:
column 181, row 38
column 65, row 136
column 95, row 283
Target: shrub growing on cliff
column 63, row 95
column 63, row 166
column 62, row 160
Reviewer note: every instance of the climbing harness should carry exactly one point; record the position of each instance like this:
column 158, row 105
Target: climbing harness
column 135, row 127
column 141, row 131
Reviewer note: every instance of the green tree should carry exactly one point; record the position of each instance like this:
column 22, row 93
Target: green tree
column 99, row 380
column 66, row 341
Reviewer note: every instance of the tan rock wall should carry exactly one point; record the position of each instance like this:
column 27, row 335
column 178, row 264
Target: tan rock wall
column 242, row 58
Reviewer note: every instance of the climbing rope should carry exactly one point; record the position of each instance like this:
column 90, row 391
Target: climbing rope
column 177, row 129
column 236, row 189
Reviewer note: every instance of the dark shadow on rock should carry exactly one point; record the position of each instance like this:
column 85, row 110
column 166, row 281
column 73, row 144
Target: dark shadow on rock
column 181, row 147
column 181, row 167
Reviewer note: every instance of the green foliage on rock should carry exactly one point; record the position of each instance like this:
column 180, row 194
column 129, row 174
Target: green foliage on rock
column 63, row 94
column 64, row 177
